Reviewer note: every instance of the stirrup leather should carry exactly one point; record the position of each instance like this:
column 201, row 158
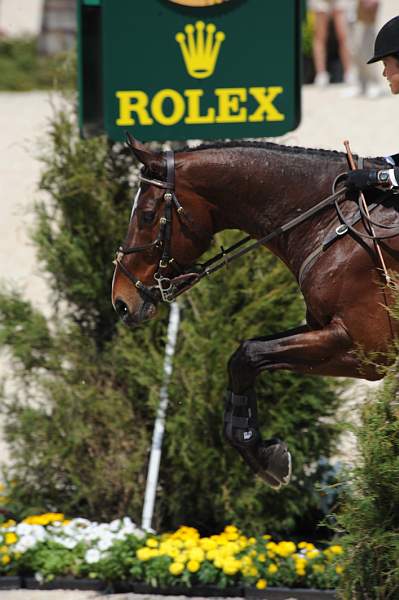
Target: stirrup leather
column 241, row 419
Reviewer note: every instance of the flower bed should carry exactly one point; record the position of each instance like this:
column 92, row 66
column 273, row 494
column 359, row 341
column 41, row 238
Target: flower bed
column 119, row 553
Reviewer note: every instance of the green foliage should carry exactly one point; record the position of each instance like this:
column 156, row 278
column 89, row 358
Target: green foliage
column 51, row 559
column 80, row 421
column 369, row 515
column 22, row 69
column 79, row 424
column 25, row 329
column 120, row 562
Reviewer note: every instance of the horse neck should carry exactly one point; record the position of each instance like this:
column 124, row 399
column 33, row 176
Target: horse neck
column 257, row 190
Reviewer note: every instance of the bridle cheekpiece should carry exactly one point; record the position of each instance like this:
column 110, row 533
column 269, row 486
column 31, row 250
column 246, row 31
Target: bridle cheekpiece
column 165, row 287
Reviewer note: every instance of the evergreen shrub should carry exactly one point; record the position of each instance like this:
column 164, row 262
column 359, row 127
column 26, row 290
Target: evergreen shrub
column 369, row 514
column 79, row 422
column 23, row 69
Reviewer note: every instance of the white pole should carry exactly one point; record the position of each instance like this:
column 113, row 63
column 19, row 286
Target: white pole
column 159, row 426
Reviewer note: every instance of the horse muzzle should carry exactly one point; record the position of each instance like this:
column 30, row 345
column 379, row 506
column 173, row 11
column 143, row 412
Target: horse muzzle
column 134, row 317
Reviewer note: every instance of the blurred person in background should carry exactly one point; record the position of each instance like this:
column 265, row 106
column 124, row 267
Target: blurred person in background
column 323, row 11
column 386, row 49
column 364, row 31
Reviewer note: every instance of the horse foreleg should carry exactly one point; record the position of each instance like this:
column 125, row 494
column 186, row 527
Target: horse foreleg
column 326, row 351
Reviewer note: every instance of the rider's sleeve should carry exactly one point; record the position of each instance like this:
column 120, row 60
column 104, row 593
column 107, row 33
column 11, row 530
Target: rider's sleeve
column 394, row 177
column 393, row 159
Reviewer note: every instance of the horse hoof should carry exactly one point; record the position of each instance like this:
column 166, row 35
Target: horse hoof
column 276, row 463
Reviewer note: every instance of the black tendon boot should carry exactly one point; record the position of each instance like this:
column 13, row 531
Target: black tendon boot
column 269, row 459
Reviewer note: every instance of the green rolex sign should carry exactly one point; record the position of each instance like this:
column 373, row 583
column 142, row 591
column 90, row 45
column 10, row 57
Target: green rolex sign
column 180, row 69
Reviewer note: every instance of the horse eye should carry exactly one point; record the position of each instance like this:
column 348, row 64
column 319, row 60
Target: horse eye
column 148, row 217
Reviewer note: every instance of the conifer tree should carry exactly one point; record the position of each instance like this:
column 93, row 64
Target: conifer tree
column 369, row 514
column 80, row 422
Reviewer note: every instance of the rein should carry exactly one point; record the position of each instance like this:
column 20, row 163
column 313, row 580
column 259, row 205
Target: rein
column 169, row 288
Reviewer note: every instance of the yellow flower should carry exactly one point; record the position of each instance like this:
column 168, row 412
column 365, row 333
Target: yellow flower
column 231, row 566
column 144, row 553
column 271, row 548
column 231, row 532
column 3, row 549
column 152, row 543
column 193, row 566
column 44, row 519
column 207, row 544
column 8, row 523
column 261, row 584
column 5, row 559
column 339, row 569
column 196, row 554
column 336, row 549
column 10, row 538
column 246, row 561
column 300, row 566
column 176, row 568
column 285, row 549
column 272, row 568
column 181, row 558
column 261, row 558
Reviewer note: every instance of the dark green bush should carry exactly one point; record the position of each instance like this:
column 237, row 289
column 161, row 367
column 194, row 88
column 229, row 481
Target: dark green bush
column 23, row 69
column 369, row 514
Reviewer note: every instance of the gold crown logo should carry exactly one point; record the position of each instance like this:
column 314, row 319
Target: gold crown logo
column 200, row 49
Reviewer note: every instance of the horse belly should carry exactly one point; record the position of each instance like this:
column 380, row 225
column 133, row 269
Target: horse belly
column 349, row 286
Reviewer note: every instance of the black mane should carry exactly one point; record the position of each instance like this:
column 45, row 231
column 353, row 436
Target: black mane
column 268, row 146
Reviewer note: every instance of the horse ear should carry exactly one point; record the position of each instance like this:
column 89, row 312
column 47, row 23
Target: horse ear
column 153, row 161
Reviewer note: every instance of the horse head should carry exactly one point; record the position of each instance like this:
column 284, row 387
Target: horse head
column 170, row 227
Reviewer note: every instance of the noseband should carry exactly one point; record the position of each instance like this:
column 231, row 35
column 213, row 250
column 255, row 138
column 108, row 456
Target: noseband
column 165, row 287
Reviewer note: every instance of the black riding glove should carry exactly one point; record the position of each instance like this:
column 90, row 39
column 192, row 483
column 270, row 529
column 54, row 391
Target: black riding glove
column 361, row 179
column 365, row 178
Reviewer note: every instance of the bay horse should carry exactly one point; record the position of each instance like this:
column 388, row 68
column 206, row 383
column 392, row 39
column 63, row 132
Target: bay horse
column 184, row 199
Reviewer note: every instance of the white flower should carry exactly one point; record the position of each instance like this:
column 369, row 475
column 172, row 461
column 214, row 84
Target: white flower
column 80, row 523
column 23, row 529
column 139, row 533
column 92, row 556
column 105, row 543
column 24, row 543
column 115, row 525
column 39, row 532
column 67, row 543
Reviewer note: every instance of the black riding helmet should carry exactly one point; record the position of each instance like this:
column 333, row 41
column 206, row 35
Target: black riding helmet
column 387, row 41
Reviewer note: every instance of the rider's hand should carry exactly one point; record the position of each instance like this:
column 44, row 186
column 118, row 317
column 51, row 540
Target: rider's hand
column 362, row 179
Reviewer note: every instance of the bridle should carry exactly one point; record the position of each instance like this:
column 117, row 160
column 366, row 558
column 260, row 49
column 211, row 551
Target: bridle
column 168, row 288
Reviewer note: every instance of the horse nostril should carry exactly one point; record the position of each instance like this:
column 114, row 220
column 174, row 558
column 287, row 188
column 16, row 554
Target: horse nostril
column 121, row 309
